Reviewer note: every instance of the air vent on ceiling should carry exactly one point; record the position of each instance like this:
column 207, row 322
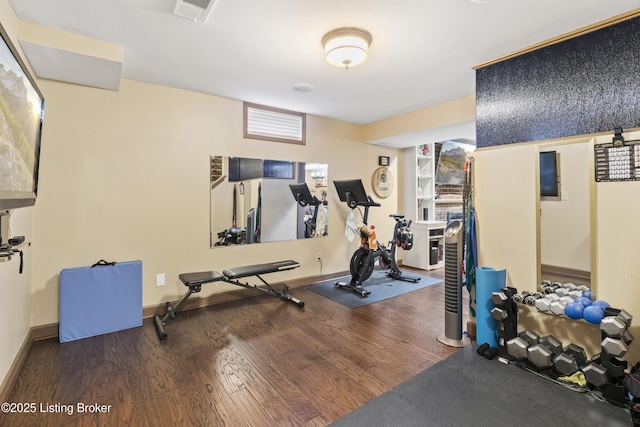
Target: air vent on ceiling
column 194, row 10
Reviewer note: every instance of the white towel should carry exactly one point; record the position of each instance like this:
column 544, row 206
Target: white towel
column 351, row 226
column 321, row 221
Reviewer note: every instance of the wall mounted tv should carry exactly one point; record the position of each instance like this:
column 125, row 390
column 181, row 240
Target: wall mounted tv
column 21, row 115
column 549, row 175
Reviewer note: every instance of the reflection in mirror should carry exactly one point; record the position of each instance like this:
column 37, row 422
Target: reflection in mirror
column 565, row 226
column 251, row 201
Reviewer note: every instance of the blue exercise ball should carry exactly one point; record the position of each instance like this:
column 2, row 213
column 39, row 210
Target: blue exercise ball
column 601, row 304
column 587, row 294
column 574, row 310
column 593, row 314
column 584, row 301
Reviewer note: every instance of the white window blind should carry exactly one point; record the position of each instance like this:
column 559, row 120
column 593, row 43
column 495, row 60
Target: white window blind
column 273, row 124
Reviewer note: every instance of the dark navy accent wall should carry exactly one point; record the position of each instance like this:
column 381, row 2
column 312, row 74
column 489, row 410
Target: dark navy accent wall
column 584, row 85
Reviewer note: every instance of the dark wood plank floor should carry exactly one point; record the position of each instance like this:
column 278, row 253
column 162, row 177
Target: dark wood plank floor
column 254, row 362
column 553, row 276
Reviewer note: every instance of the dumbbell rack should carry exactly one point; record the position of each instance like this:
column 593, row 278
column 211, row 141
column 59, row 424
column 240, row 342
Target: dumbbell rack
column 605, row 371
column 506, row 313
column 615, row 340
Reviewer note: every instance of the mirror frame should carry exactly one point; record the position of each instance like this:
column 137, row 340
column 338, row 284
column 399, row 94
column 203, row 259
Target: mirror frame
column 593, row 220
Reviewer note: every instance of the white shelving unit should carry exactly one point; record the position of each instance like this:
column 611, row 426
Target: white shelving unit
column 425, row 178
column 428, row 246
column 418, row 177
column 418, row 182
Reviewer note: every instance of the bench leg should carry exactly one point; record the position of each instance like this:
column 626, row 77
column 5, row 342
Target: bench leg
column 172, row 312
column 283, row 294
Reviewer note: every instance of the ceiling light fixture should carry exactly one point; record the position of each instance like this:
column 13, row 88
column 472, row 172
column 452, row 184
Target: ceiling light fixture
column 346, row 46
column 303, row 87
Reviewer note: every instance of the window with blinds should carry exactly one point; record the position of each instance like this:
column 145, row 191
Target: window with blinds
column 274, row 124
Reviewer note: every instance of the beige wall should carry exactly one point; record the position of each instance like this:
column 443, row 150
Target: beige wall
column 14, row 287
column 505, row 202
column 618, row 247
column 125, row 176
column 15, row 293
column 452, row 113
column 505, row 190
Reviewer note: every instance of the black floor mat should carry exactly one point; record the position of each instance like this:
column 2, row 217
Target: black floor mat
column 379, row 284
column 469, row 390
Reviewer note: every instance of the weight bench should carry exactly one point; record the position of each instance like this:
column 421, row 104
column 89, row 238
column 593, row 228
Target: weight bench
column 194, row 282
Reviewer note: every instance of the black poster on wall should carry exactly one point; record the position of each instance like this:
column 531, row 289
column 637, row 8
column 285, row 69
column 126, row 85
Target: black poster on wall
column 584, row 85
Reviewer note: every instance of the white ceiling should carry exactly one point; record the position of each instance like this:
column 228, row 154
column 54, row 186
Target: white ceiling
column 422, row 53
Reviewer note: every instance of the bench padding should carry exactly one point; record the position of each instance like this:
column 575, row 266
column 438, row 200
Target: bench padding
column 190, row 279
column 257, row 269
column 195, row 281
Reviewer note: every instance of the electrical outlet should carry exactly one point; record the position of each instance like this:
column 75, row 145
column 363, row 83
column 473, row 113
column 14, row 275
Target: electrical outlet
column 160, row 279
column 318, row 256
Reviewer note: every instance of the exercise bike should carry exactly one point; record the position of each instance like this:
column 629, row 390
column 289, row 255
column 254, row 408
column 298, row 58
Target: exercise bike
column 364, row 258
column 303, row 196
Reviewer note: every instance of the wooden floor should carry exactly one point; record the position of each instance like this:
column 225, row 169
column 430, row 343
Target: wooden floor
column 564, row 278
column 254, row 362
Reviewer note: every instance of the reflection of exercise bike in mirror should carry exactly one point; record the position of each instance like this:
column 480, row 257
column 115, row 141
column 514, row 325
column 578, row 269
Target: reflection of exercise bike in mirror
column 315, row 224
column 364, row 258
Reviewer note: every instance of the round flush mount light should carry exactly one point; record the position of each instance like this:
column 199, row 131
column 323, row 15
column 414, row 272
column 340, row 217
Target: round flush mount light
column 303, row 87
column 347, row 46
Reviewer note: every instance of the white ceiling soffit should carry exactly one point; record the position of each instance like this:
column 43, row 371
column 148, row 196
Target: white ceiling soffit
column 72, row 58
column 423, row 51
column 71, row 67
column 463, row 132
column 194, row 10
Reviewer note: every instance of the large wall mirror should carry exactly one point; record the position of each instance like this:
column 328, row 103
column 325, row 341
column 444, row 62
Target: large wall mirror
column 565, row 213
column 262, row 200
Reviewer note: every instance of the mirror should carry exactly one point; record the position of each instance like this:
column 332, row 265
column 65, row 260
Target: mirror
column 565, row 213
column 259, row 200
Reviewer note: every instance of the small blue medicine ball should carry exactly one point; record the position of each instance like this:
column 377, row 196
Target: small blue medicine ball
column 574, row 310
column 584, row 301
column 593, row 314
column 601, row 304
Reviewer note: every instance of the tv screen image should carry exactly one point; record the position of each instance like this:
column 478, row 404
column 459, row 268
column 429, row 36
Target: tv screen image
column 21, row 115
column 451, row 160
column 549, row 180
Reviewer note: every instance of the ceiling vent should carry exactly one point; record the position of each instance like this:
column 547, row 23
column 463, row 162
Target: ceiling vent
column 194, row 10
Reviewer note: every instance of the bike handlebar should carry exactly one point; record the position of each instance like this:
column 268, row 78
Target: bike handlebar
column 372, row 203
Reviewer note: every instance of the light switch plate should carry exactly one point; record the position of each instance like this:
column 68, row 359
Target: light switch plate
column 160, row 279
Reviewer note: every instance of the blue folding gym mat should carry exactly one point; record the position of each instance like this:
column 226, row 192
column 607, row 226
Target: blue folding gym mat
column 100, row 299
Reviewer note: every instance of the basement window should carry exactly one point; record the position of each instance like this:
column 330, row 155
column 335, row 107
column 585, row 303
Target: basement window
column 273, row 124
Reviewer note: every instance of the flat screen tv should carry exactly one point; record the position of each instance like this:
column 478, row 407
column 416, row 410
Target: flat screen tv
column 21, row 115
column 549, row 175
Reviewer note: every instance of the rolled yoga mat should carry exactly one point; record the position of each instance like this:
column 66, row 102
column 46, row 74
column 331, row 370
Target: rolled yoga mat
column 488, row 280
